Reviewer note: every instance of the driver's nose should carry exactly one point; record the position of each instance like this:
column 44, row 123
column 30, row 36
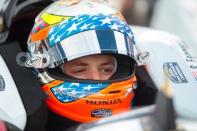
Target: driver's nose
column 95, row 75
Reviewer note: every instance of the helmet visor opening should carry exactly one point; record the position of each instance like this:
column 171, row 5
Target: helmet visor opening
column 125, row 69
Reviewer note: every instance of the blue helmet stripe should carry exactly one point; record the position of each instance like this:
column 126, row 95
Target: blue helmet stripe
column 106, row 40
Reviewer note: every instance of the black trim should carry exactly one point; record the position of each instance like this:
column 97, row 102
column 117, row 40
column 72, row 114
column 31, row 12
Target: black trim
column 146, row 92
column 57, row 122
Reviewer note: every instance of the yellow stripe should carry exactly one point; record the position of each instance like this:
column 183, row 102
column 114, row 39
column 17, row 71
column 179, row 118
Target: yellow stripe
column 53, row 19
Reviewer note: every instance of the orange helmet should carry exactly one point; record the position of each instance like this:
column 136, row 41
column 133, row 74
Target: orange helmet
column 67, row 30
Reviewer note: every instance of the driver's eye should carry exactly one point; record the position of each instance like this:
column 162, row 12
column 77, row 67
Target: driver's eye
column 78, row 71
column 107, row 70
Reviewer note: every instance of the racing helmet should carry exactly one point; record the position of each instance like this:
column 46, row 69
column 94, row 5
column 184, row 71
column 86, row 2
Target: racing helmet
column 71, row 29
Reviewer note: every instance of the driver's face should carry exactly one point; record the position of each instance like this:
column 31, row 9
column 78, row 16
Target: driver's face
column 95, row 67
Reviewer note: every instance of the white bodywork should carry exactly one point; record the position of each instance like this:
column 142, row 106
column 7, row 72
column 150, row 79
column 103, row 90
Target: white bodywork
column 167, row 51
column 11, row 106
column 125, row 125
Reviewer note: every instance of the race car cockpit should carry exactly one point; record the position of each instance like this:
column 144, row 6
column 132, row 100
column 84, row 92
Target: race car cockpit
column 22, row 100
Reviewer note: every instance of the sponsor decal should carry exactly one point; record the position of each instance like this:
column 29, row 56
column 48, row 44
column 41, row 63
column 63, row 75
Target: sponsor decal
column 191, row 61
column 33, row 60
column 189, row 57
column 101, row 113
column 174, row 72
column 2, row 84
column 104, row 102
column 143, row 57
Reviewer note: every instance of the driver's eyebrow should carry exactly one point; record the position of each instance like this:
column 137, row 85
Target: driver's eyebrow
column 111, row 62
column 79, row 63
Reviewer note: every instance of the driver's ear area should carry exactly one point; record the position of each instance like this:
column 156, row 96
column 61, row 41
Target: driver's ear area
column 146, row 90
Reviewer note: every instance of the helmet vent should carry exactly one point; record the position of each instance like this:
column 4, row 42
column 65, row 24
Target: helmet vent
column 113, row 92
